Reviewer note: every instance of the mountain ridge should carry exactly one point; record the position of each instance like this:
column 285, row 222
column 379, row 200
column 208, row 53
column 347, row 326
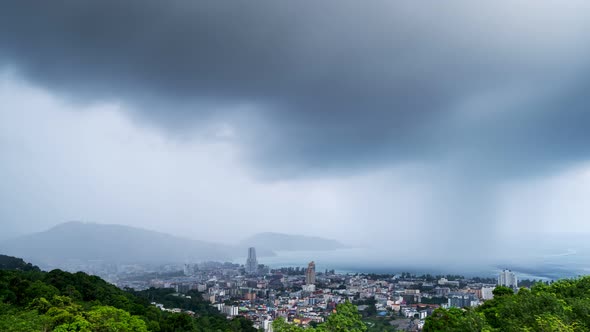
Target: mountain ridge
column 76, row 241
column 113, row 243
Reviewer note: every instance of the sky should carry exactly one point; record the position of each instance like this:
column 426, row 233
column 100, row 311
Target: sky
column 377, row 123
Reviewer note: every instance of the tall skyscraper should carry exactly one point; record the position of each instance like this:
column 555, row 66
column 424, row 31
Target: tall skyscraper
column 310, row 274
column 507, row 278
column 251, row 262
column 187, row 270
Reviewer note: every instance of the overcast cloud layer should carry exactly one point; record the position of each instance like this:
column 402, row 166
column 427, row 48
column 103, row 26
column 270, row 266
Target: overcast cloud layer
column 368, row 115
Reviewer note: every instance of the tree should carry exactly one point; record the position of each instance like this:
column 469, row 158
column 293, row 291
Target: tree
column 280, row 325
column 33, row 300
column 502, row 291
column 346, row 318
column 106, row 319
column 444, row 320
column 455, row 320
column 14, row 320
column 552, row 323
column 179, row 322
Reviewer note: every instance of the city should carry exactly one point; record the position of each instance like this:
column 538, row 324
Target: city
column 305, row 297
column 294, row 166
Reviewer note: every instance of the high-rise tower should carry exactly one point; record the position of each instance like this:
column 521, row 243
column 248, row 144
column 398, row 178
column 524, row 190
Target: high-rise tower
column 251, row 262
column 310, row 274
column 507, row 278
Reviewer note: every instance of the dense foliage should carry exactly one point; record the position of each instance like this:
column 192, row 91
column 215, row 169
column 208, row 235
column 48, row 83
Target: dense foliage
column 32, row 300
column 13, row 263
column 346, row 319
column 379, row 324
column 561, row 306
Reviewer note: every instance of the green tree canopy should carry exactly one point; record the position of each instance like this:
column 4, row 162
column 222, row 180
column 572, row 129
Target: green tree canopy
column 561, row 306
column 346, row 319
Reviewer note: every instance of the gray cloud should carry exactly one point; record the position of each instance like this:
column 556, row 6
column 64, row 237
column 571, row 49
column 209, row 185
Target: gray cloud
column 332, row 84
column 419, row 113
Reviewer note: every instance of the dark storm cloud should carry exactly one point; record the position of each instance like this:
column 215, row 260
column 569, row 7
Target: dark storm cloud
column 331, row 84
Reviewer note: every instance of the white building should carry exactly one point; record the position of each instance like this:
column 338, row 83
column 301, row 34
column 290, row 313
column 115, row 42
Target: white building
column 487, row 293
column 228, row 310
column 422, row 314
column 308, row 288
column 507, row 278
column 267, row 325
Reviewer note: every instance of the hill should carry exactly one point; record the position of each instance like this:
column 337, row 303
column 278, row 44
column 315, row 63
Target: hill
column 60, row 301
column 77, row 241
column 286, row 242
column 13, row 263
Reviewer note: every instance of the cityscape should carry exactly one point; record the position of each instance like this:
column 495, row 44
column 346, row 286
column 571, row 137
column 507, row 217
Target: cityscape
column 294, row 166
column 306, row 297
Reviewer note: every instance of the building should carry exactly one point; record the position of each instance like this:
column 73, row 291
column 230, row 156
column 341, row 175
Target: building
column 442, row 291
column 267, row 325
column 189, row 269
column 251, row 262
column 507, row 278
column 228, row 310
column 445, row 281
column 487, row 293
column 462, row 300
column 310, row 274
column 308, row 288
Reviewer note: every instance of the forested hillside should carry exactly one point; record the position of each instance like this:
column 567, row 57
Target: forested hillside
column 78, row 241
column 13, row 263
column 33, row 300
column 563, row 306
